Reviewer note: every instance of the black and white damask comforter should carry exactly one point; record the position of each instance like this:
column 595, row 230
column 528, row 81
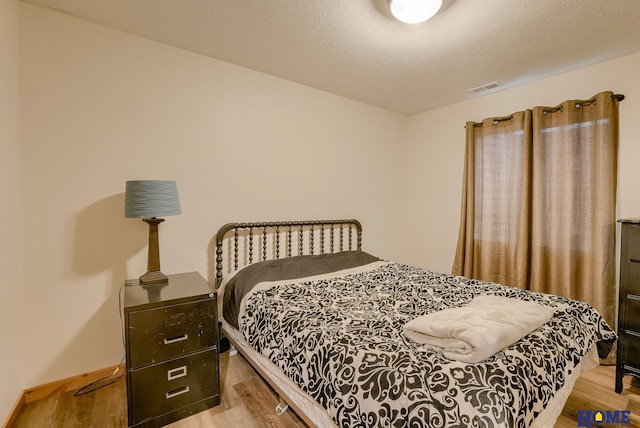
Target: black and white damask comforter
column 340, row 340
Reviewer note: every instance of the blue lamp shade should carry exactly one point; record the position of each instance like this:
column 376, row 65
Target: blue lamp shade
column 151, row 198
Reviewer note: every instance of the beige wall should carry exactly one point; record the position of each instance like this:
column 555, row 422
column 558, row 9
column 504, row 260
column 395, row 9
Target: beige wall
column 11, row 350
column 100, row 107
column 436, row 150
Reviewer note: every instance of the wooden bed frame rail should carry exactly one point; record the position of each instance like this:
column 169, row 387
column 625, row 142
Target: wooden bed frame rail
column 338, row 233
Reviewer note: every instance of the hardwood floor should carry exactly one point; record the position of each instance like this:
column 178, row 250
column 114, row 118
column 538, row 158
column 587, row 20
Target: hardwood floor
column 247, row 401
column 594, row 390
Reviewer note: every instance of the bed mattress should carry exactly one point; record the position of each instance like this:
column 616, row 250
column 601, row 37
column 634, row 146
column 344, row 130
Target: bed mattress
column 316, row 415
column 335, row 342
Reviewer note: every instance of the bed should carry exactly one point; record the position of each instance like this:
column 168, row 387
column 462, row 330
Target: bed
column 324, row 323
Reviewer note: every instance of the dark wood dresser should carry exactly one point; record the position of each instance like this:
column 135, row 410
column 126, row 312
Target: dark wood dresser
column 171, row 338
column 628, row 358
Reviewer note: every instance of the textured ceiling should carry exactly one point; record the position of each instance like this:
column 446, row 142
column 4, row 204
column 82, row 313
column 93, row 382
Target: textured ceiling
column 355, row 49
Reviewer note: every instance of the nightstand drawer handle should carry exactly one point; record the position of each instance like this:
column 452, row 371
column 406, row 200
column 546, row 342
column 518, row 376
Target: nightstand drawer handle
column 177, row 373
column 176, row 339
column 177, row 392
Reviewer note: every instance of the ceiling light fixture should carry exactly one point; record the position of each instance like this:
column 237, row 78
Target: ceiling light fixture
column 414, row 11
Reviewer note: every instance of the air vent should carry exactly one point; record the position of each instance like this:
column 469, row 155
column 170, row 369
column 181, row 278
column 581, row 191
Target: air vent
column 485, row 87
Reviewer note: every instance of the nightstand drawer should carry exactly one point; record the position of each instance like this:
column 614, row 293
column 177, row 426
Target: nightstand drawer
column 631, row 353
column 633, row 242
column 633, row 278
column 166, row 387
column 632, row 309
column 171, row 331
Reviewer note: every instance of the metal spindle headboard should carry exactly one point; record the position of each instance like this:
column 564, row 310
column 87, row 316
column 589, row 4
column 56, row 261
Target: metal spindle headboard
column 271, row 232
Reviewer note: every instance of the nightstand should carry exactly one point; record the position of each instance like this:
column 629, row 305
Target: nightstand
column 628, row 362
column 171, row 341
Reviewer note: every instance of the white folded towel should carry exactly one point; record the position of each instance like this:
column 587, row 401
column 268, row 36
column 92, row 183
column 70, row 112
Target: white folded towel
column 475, row 332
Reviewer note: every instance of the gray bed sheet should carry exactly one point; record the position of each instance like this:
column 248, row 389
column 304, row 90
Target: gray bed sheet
column 287, row 268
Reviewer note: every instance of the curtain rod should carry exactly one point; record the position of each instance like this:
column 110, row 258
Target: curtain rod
column 581, row 103
column 497, row 120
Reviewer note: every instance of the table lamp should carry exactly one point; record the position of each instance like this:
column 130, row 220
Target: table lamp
column 150, row 200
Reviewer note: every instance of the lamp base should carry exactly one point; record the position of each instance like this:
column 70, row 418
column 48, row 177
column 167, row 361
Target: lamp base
column 153, row 277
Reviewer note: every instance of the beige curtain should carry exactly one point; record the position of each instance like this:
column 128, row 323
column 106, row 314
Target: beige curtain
column 496, row 184
column 539, row 196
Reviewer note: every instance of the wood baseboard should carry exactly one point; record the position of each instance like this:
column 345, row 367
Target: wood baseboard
column 57, row 387
column 68, row 384
column 15, row 411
